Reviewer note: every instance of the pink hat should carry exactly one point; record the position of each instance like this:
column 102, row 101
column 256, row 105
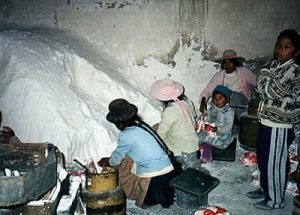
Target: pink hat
column 166, row 89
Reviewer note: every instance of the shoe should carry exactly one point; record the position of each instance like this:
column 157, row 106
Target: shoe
column 206, row 155
column 256, row 194
column 296, row 201
column 295, row 176
column 296, row 211
column 262, row 205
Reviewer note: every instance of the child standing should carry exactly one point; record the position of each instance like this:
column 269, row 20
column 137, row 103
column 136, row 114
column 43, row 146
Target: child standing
column 218, row 123
column 178, row 120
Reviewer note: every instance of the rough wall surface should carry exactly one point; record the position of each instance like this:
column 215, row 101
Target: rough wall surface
column 249, row 26
column 132, row 29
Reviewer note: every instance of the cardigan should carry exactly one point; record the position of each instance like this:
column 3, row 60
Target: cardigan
column 245, row 77
column 178, row 132
column 278, row 86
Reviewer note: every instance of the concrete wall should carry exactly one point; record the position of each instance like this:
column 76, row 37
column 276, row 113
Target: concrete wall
column 132, row 29
column 249, row 26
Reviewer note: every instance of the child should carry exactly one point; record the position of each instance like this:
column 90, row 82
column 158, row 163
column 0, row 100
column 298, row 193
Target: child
column 218, row 123
column 178, row 120
column 278, row 114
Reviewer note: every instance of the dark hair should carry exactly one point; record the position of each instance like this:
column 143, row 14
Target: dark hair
column 127, row 123
column 136, row 120
column 293, row 35
column 181, row 97
column 235, row 61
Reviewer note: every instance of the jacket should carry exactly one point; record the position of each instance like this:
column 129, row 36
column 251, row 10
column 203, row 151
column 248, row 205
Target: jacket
column 143, row 149
column 179, row 135
column 223, row 119
column 278, row 86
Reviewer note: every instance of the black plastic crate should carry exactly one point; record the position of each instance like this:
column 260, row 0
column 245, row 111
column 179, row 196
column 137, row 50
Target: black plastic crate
column 192, row 187
column 227, row 154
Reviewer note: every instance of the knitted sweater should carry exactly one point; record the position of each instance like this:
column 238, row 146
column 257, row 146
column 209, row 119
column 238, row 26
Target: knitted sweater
column 278, row 86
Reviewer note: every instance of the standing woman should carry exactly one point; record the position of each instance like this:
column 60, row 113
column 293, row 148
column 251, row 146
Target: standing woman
column 279, row 115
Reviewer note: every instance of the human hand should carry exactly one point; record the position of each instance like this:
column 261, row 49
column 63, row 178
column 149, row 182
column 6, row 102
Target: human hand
column 209, row 127
column 203, row 105
column 6, row 134
column 104, row 162
column 155, row 126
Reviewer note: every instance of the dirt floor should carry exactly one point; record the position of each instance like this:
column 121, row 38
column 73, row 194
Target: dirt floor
column 235, row 182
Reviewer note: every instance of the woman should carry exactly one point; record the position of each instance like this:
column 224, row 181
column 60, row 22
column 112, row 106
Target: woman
column 147, row 179
column 177, row 125
column 232, row 75
column 279, row 113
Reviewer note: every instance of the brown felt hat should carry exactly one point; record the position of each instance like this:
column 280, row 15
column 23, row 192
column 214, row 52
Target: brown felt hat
column 229, row 54
column 120, row 110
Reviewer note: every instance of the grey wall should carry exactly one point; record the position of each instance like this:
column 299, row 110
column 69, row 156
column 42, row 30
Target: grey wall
column 139, row 28
column 249, row 26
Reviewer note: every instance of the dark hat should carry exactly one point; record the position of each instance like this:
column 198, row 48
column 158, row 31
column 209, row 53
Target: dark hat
column 120, row 110
column 225, row 91
column 230, row 54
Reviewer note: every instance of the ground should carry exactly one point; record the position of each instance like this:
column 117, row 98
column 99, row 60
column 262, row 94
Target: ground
column 235, row 182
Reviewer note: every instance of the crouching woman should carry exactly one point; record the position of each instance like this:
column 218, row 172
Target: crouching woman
column 144, row 167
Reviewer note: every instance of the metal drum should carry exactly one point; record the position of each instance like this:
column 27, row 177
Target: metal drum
column 248, row 131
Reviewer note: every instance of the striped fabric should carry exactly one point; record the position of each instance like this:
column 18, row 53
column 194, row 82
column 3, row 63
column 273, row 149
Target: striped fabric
column 273, row 162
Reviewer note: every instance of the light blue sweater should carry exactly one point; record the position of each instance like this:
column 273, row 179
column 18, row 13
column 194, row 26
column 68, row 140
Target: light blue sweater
column 143, row 149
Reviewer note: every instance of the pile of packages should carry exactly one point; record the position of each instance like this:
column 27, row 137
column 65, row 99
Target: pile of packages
column 212, row 210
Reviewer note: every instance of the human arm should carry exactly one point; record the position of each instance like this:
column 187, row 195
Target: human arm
column 203, row 105
column 167, row 120
column 207, row 91
column 123, row 147
column 250, row 78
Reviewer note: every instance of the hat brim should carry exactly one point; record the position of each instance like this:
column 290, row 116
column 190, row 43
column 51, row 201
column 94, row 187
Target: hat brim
column 113, row 118
column 219, row 60
column 158, row 92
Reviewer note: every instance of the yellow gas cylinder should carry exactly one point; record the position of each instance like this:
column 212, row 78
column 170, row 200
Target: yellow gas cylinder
column 102, row 194
column 100, row 182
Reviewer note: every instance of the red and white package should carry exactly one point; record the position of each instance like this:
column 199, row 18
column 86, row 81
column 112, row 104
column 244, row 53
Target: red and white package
column 249, row 159
column 212, row 210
